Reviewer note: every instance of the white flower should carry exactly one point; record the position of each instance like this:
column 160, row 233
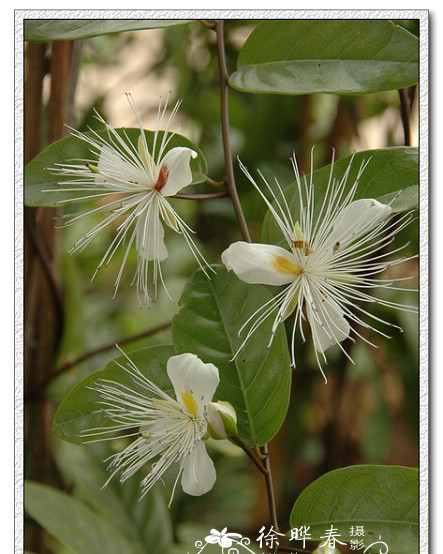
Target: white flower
column 168, row 430
column 328, row 266
column 140, row 182
column 222, row 538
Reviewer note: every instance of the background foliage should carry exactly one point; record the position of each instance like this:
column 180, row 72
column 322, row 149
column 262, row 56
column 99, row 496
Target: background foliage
column 325, row 427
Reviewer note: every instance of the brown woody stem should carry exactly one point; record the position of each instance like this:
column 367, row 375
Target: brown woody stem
column 253, row 457
column 230, row 180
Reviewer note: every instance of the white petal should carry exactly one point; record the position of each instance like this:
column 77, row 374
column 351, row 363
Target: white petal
column 198, row 476
column 177, row 161
column 357, row 219
column 260, row 263
column 190, row 376
column 327, row 322
column 150, row 235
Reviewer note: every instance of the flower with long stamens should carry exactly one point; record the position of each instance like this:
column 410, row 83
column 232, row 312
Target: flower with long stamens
column 328, row 267
column 168, row 430
column 140, row 181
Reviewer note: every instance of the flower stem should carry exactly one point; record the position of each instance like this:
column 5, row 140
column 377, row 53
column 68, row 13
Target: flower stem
column 230, row 180
column 270, row 487
column 405, row 110
column 99, row 350
column 252, row 456
column 264, row 465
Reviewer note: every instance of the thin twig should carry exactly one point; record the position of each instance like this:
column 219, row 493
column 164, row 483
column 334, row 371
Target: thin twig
column 250, row 454
column 230, row 180
column 230, row 183
column 270, row 487
column 99, row 350
column 405, row 111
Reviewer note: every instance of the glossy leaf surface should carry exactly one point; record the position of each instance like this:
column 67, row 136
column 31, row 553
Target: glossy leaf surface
column 81, row 409
column 382, row 499
column 74, row 523
column 341, row 56
column 257, row 381
column 45, row 30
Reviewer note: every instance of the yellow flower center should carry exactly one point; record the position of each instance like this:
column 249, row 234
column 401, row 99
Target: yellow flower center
column 283, row 265
column 190, row 403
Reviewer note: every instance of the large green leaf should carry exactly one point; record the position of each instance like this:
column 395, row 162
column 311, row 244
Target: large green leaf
column 390, row 172
column 81, row 409
column 342, row 56
column 383, row 499
column 257, row 382
column 73, row 523
column 146, row 523
column 45, row 30
column 41, row 183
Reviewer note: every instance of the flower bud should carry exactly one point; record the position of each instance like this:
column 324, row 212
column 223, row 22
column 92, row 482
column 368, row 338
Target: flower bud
column 221, row 419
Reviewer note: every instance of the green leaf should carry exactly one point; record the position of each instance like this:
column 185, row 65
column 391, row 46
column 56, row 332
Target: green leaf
column 73, row 523
column 390, row 172
column 45, row 30
column 146, row 523
column 257, row 382
column 407, row 200
column 81, row 410
column 330, row 56
column 383, row 499
column 41, row 183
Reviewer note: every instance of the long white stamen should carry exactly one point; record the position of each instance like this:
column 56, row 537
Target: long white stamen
column 132, row 173
column 166, row 434
column 336, row 269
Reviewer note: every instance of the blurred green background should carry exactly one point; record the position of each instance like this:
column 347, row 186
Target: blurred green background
column 367, row 413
